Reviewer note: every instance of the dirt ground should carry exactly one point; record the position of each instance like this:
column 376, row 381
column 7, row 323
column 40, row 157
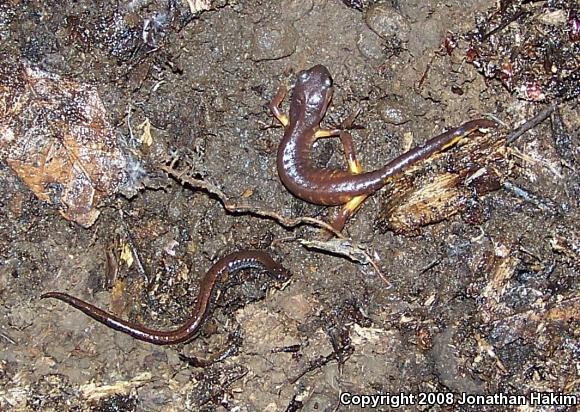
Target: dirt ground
column 483, row 300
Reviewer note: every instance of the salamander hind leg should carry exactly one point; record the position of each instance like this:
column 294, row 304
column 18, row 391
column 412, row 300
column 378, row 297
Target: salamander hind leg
column 354, row 167
column 347, row 211
column 346, row 139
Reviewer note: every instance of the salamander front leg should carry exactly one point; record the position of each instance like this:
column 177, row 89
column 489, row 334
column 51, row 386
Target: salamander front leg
column 275, row 105
column 354, row 165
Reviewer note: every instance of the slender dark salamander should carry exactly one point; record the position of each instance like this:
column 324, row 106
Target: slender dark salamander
column 308, row 104
column 228, row 264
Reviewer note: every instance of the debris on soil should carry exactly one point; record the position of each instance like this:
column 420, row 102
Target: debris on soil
column 532, row 48
column 482, row 164
column 484, row 302
column 354, row 4
column 93, row 392
column 196, row 6
column 341, row 247
column 55, row 136
column 389, row 25
column 210, row 384
column 183, row 176
column 568, row 245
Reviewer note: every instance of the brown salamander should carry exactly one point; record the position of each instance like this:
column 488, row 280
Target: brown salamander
column 308, row 104
column 228, row 264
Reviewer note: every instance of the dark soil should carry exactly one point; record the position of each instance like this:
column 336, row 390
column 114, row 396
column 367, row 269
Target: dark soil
column 484, row 300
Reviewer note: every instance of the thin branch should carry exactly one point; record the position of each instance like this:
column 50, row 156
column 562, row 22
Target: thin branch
column 228, row 205
column 248, row 209
column 531, row 123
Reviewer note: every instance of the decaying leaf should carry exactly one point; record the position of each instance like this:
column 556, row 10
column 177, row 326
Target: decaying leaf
column 198, row 5
column 54, row 135
column 532, row 48
column 146, row 137
column 126, row 255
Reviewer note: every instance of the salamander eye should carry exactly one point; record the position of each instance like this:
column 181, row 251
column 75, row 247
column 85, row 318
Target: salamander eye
column 327, row 82
column 303, row 76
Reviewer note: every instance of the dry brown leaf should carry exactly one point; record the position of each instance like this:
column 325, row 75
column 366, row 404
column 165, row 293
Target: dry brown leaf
column 54, row 135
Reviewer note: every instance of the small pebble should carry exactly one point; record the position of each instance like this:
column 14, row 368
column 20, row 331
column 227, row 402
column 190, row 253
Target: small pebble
column 273, row 41
column 371, row 46
column 393, row 111
column 388, row 23
column 426, row 35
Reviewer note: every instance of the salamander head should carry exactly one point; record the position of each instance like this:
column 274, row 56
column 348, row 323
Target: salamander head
column 312, row 93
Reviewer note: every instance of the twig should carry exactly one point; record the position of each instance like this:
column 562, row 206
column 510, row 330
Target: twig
column 247, row 209
column 134, row 249
column 425, row 73
column 8, row 338
column 531, row 123
column 234, row 208
column 571, row 302
column 345, row 247
column 338, row 355
column 503, row 25
column 529, row 197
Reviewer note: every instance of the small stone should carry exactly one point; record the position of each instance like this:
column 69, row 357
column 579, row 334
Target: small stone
column 370, row 45
column 386, row 22
column 393, row 111
column 426, row 35
column 273, row 41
